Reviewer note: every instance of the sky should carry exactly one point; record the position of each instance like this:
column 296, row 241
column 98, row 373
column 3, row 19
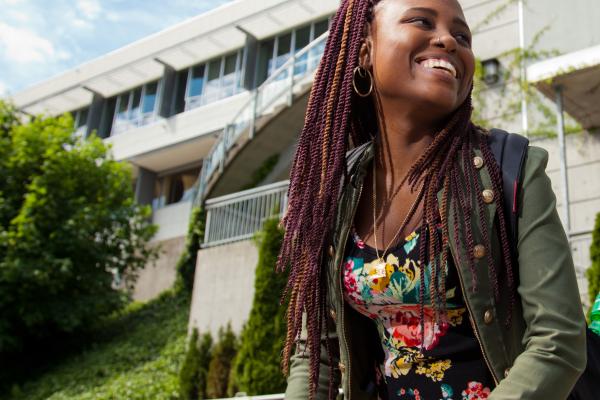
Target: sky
column 43, row 38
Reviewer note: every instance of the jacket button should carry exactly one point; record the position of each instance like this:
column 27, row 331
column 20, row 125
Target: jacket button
column 479, row 251
column 478, row 162
column 488, row 196
column 488, row 316
column 331, row 251
column 332, row 313
column 506, row 372
column 342, row 368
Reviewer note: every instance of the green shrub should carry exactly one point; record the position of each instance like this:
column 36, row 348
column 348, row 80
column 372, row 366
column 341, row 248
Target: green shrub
column 68, row 224
column 192, row 378
column 257, row 365
column 593, row 273
column 136, row 354
column 220, row 364
column 188, row 376
column 186, row 265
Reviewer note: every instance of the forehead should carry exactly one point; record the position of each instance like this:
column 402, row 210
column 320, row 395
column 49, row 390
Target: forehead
column 442, row 7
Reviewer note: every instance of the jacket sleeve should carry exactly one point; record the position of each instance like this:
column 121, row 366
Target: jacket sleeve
column 298, row 379
column 554, row 339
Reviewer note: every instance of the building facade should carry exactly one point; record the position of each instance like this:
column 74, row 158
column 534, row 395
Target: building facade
column 210, row 109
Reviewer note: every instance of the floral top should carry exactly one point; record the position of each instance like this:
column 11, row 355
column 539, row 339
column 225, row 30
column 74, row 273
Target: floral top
column 447, row 363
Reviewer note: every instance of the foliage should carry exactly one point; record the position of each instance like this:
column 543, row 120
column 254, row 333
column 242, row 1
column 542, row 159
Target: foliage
column 68, row 224
column 513, row 88
column 261, row 172
column 186, row 265
column 593, row 273
column 192, row 378
column 135, row 355
column 188, row 376
column 220, row 364
column 257, row 365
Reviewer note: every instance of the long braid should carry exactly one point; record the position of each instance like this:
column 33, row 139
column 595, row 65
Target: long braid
column 334, row 117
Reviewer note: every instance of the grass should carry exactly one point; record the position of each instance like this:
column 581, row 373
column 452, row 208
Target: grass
column 135, row 355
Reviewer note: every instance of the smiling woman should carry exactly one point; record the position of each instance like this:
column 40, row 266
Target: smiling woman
column 402, row 281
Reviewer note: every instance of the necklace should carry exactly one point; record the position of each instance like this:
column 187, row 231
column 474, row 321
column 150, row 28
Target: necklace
column 380, row 266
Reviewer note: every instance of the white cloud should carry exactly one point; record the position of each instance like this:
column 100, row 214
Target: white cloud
column 23, row 46
column 89, row 8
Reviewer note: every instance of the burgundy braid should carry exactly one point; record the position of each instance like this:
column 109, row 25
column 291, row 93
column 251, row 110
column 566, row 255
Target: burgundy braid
column 334, row 117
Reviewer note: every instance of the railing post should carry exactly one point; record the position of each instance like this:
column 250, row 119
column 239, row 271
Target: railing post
column 207, row 227
column 292, row 67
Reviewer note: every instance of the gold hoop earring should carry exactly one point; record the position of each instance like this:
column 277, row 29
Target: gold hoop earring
column 363, row 73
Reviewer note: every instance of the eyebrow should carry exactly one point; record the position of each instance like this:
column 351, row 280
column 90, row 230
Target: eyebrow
column 456, row 20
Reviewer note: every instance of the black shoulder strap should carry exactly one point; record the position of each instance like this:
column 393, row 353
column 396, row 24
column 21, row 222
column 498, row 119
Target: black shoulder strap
column 510, row 151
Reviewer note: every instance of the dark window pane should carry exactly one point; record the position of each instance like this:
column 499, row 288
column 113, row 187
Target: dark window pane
column 214, row 69
column 230, row 61
column 321, row 27
column 302, row 37
column 150, row 97
column 135, row 104
column 197, row 81
column 123, row 106
column 285, row 44
column 265, row 55
column 81, row 118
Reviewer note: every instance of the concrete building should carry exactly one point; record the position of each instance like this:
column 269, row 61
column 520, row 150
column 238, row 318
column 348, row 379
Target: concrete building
column 214, row 105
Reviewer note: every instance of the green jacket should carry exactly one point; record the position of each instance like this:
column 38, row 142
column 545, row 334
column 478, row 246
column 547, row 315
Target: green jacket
column 539, row 357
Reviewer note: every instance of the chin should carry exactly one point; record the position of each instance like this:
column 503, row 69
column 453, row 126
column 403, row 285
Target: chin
column 439, row 104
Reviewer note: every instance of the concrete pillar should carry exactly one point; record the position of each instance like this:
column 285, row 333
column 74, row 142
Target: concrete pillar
column 144, row 186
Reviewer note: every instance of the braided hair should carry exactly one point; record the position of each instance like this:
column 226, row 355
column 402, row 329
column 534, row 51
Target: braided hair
column 336, row 118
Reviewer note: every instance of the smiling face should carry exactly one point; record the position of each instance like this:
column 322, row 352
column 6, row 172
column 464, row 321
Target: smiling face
column 420, row 54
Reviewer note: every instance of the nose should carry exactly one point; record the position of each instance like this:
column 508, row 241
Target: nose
column 445, row 41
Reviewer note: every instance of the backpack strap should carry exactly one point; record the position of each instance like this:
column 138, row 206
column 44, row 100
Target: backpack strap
column 510, row 152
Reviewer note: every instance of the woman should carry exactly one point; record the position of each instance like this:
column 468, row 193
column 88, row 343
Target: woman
column 401, row 282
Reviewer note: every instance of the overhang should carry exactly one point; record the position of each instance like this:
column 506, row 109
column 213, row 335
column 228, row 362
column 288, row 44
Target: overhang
column 190, row 42
column 577, row 75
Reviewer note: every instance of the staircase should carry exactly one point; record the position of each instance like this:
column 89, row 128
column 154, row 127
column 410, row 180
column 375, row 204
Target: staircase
column 278, row 93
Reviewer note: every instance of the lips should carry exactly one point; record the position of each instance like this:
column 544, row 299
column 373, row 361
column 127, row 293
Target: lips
column 439, row 64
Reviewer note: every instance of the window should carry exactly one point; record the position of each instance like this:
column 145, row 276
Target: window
column 175, row 188
column 274, row 52
column 136, row 107
column 80, row 121
column 214, row 80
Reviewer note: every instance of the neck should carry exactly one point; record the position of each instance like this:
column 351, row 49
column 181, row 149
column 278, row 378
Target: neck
column 404, row 136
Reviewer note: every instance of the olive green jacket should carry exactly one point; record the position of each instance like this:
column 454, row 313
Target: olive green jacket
column 542, row 353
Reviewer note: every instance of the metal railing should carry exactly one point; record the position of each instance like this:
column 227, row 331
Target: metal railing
column 277, row 91
column 239, row 215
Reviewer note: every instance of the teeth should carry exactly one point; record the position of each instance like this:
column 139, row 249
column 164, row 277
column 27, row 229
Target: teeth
column 440, row 64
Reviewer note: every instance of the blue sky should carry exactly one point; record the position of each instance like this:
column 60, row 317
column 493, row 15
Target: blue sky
column 42, row 38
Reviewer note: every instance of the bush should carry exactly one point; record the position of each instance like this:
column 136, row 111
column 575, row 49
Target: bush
column 220, row 364
column 186, row 265
column 257, row 365
column 68, row 224
column 135, row 354
column 192, row 378
column 593, row 273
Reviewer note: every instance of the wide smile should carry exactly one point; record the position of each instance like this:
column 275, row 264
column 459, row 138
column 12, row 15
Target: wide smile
column 439, row 64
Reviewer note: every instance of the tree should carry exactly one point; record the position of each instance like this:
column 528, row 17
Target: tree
column 220, row 364
column 593, row 273
column 192, row 377
column 257, row 365
column 68, row 225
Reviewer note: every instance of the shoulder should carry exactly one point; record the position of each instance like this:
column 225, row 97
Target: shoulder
column 535, row 163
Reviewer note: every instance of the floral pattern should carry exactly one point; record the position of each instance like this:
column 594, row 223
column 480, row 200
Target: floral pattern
column 388, row 293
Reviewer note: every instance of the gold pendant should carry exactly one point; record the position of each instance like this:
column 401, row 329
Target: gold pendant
column 379, row 269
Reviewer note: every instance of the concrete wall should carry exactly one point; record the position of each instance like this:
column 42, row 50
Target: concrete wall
column 172, row 221
column 156, row 278
column 223, row 287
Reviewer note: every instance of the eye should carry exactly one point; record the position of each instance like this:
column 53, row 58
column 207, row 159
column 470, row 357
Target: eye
column 421, row 21
column 463, row 38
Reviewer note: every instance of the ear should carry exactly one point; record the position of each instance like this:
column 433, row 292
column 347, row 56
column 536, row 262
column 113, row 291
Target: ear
column 365, row 54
